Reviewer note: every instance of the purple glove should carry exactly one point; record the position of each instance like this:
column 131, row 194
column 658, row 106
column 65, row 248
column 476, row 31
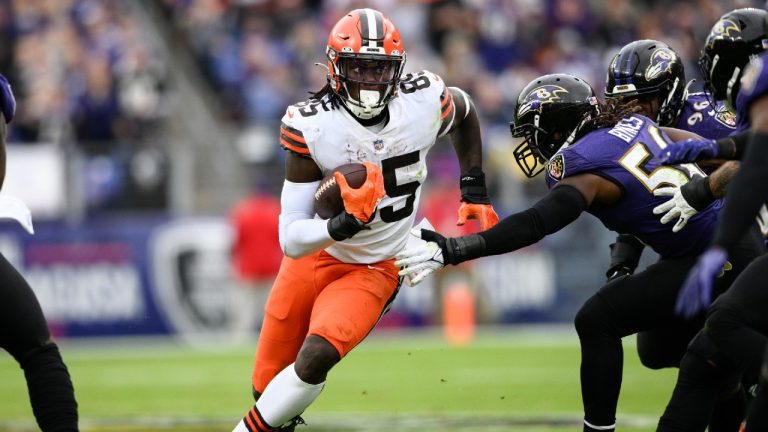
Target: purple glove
column 690, row 150
column 7, row 101
column 696, row 293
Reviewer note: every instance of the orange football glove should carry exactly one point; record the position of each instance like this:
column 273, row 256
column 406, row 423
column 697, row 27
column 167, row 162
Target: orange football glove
column 361, row 202
column 482, row 212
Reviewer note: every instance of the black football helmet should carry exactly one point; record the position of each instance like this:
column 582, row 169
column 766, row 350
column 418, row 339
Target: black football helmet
column 733, row 41
column 550, row 112
column 649, row 68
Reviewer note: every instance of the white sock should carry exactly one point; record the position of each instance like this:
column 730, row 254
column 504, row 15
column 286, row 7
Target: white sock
column 286, row 396
column 240, row 427
column 600, row 428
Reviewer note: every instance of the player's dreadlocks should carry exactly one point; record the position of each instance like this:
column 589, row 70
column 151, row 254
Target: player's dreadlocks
column 611, row 112
column 326, row 91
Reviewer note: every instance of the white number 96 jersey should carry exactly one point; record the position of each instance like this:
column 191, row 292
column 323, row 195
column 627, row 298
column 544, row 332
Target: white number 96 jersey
column 422, row 111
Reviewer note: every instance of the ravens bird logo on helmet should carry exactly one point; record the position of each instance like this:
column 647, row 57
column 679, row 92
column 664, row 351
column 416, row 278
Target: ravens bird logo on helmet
column 725, row 28
column 540, row 96
column 661, row 61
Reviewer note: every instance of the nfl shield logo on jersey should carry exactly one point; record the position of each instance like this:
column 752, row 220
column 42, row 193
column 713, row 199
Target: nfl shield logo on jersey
column 378, row 144
column 556, row 167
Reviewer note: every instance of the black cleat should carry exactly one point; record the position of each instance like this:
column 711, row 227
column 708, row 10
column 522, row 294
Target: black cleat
column 291, row 425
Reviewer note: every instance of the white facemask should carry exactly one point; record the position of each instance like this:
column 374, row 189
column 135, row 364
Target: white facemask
column 367, row 108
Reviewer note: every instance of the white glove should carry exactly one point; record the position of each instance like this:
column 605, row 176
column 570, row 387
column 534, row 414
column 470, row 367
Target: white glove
column 419, row 259
column 676, row 207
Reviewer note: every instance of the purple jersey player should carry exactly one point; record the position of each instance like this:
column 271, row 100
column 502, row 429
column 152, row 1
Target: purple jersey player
column 698, row 116
column 651, row 73
column 733, row 343
column 602, row 159
column 627, row 155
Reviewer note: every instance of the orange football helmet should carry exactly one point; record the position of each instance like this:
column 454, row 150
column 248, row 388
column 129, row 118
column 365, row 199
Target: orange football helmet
column 365, row 60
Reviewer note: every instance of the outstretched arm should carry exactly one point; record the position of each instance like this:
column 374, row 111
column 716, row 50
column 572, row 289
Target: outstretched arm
column 707, row 150
column 561, row 206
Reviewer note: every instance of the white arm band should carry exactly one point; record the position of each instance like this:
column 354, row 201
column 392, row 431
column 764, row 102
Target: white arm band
column 301, row 234
column 467, row 105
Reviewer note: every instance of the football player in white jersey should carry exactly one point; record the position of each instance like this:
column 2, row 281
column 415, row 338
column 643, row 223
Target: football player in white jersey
column 338, row 276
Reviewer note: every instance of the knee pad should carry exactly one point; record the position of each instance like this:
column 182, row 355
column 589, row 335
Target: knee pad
column 593, row 317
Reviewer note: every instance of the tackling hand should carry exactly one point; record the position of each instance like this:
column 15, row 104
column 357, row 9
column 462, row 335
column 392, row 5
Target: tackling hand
column 676, row 207
column 690, row 150
column 696, row 293
column 361, row 202
column 425, row 258
column 687, row 200
column 482, row 212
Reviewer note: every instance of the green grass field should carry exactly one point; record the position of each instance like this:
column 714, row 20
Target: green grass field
column 508, row 380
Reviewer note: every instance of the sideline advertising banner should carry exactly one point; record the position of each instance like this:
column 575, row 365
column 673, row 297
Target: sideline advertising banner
column 156, row 275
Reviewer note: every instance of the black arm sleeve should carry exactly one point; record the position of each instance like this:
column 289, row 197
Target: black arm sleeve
column 561, row 206
column 734, row 146
column 747, row 191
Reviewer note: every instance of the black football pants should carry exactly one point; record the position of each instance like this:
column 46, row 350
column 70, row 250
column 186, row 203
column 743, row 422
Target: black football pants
column 733, row 342
column 757, row 418
column 643, row 302
column 24, row 334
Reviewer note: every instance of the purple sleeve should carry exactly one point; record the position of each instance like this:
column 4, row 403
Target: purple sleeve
column 754, row 84
column 571, row 161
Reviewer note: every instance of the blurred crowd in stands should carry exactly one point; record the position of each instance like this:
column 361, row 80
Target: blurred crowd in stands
column 84, row 71
column 260, row 55
column 81, row 71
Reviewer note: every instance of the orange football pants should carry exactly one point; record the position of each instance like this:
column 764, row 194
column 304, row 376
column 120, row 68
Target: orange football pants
column 320, row 295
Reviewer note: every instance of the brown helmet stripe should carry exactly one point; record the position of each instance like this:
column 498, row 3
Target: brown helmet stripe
column 372, row 27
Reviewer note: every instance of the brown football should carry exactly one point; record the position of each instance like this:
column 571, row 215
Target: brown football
column 328, row 202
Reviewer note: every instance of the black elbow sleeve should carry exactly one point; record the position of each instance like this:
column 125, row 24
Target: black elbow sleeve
column 561, row 206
